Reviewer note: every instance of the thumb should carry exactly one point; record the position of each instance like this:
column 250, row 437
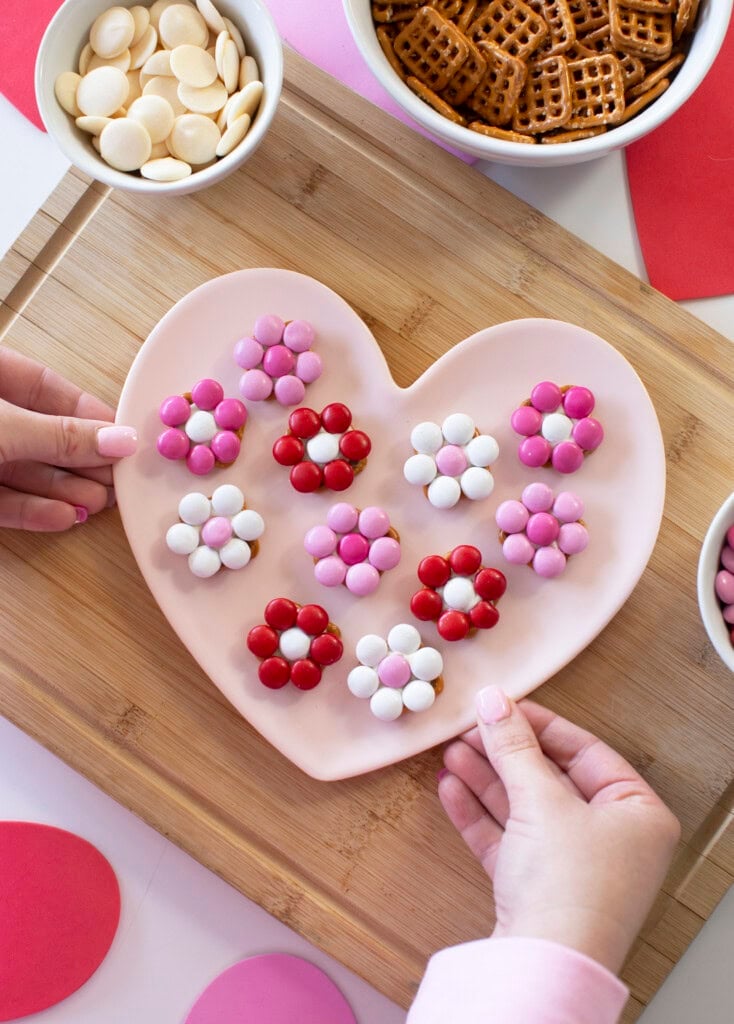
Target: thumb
column 511, row 745
column 61, row 440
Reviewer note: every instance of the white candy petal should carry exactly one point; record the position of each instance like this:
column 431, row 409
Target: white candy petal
column 155, row 114
column 420, row 469
column 444, row 492
column 165, row 168
column 102, row 92
column 426, row 438
column 418, row 695
column 404, row 638
column 248, row 524
column 323, row 447
column 426, row 663
column 194, row 508
column 204, row 562
column 363, row 681
column 477, row 483
column 556, row 427
column 458, row 428
column 294, row 644
column 182, row 539
column 235, row 554
column 371, row 649
column 459, row 594
column 200, row 426
column 227, row 500
column 482, row 450
column 386, row 704
column 125, row 144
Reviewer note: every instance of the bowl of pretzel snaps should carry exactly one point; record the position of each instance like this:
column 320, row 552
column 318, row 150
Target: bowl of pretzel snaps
column 539, row 82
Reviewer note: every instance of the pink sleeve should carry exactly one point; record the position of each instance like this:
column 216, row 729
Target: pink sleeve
column 503, row 981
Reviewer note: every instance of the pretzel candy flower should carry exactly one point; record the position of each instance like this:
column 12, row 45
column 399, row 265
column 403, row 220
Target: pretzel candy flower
column 396, row 675
column 542, row 530
column 459, row 593
column 322, row 449
column 354, row 548
column 451, row 461
column 203, row 427
column 296, row 642
column 277, row 360
column 215, row 532
column 557, row 427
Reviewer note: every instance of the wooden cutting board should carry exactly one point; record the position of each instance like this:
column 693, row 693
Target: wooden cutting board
column 427, row 251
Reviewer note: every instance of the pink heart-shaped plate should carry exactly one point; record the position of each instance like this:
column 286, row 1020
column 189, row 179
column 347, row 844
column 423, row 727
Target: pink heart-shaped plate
column 543, row 623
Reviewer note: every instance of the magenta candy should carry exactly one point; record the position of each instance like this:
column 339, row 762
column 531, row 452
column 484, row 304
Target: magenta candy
column 546, row 396
column 216, row 532
column 384, row 553
column 248, row 353
column 526, row 420
column 373, row 522
column 309, row 367
column 268, row 330
column 394, row 670
column 200, row 460
column 174, row 411
column 568, row 507
column 588, row 434
column 330, row 572
column 320, row 541
column 534, row 451
column 517, row 549
column 289, row 390
column 278, row 361
column 567, row 457
column 725, row 586
column 728, row 614
column 173, row 444
column 578, row 402
column 727, row 558
column 542, row 529
column 299, row 335
column 511, row 516
column 549, row 562
column 573, row 538
column 230, row 414
column 451, row 460
column 537, row 497
column 226, row 446
column 353, row 548
column 730, row 536
column 207, row 394
column 342, row 517
column 362, row 579
column 255, row 386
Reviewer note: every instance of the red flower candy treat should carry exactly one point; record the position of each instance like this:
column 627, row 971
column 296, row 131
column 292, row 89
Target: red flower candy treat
column 322, row 450
column 295, row 643
column 459, row 594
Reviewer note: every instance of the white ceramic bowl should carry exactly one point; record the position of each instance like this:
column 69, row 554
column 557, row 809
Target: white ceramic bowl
column 708, row 566
column 713, row 21
column 59, row 51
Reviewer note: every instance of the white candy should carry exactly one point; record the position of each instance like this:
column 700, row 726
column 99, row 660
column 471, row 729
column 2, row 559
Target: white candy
column 201, row 426
column 248, row 524
column 294, row 644
column 444, row 492
column 135, row 89
column 122, row 62
column 426, row 663
column 167, row 87
column 236, row 35
column 102, row 92
column 235, row 554
column 458, row 428
column 165, row 168
column 193, row 66
column 84, row 58
column 124, row 143
column 482, row 450
column 404, row 638
column 459, row 594
column 203, row 101
column 245, row 102
column 182, row 539
column 194, row 508
column 233, row 135
column 141, row 18
column 371, row 649
column 418, row 695
column 65, row 88
column 92, row 125
column 181, row 24
column 159, row 63
column 556, row 427
column 477, row 483
column 204, row 562
column 386, row 704
column 155, row 114
column 211, row 15
column 230, row 65
column 227, row 500
column 144, row 49
column 112, row 32
column 159, row 7
column 426, row 438
column 420, row 470
column 194, row 137
column 249, row 72
column 363, row 681
column 323, row 447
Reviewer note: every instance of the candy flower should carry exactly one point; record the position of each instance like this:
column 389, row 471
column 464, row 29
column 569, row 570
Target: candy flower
column 215, row 532
column 294, row 643
column 203, row 427
column 557, row 427
column 459, row 594
column 354, row 548
column 322, row 449
column 451, row 461
column 396, row 674
column 277, row 360
column 542, row 531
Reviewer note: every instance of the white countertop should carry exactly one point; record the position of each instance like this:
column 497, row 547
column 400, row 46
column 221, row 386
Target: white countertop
column 181, row 925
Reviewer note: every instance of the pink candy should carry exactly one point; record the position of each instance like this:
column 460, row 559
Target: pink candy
column 724, row 581
column 541, row 530
column 451, row 460
column 216, row 531
column 204, row 430
column 546, row 422
column 394, row 670
column 277, row 360
column 352, row 548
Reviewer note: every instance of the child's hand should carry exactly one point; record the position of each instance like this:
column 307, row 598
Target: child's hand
column 574, row 840
column 45, row 423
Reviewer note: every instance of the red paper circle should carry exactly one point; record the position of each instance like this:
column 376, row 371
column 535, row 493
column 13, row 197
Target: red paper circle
column 59, row 911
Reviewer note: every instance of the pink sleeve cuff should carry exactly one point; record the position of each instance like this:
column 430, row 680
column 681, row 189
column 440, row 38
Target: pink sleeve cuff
column 516, row 981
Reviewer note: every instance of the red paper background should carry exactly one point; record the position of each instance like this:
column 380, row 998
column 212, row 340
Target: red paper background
column 22, row 24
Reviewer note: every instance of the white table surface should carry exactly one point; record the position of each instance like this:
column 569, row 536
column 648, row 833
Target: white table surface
column 181, row 925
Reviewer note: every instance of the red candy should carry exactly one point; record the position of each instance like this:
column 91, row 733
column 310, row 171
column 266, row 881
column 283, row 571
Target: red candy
column 314, row 462
column 312, row 619
column 465, row 560
column 426, row 605
column 280, row 613
column 355, row 445
column 434, row 571
column 274, row 673
column 338, row 475
column 336, row 418
column 262, row 641
column 304, row 423
column 288, row 450
column 327, row 649
column 484, row 615
column 306, row 477
column 453, row 625
column 293, row 662
column 450, row 608
column 490, row 584
column 305, row 674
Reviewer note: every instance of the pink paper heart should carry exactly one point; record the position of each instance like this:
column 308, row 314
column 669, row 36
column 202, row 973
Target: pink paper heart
column 272, row 989
column 543, row 624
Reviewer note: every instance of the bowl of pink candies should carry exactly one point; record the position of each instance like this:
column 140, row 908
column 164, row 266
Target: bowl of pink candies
column 716, row 582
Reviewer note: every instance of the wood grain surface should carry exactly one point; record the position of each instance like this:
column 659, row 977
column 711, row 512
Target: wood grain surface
column 427, row 251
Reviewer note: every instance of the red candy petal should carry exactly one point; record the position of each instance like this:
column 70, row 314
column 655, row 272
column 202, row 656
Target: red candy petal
column 304, row 422
column 262, row 641
column 336, row 418
column 274, row 673
column 484, row 615
column 305, row 674
column 288, row 450
column 355, row 445
column 338, row 475
column 280, row 613
column 312, row 619
column 434, row 571
column 326, row 649
column 306, row 477
column 465, row 560
column 453, row 625
column 490, row 584
column 426, row 605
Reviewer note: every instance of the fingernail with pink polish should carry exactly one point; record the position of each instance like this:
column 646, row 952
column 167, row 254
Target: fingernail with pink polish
column 441, row 774
column 116, row 442
column 492, row 705
column 82, row 514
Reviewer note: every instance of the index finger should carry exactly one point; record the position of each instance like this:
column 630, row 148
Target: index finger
column 31, row 385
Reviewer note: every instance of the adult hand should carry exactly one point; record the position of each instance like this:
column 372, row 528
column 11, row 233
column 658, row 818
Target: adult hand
column 575, row 841
column 57, row 445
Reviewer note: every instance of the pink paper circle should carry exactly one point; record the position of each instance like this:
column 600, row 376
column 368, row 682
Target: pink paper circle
column 273, row 989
